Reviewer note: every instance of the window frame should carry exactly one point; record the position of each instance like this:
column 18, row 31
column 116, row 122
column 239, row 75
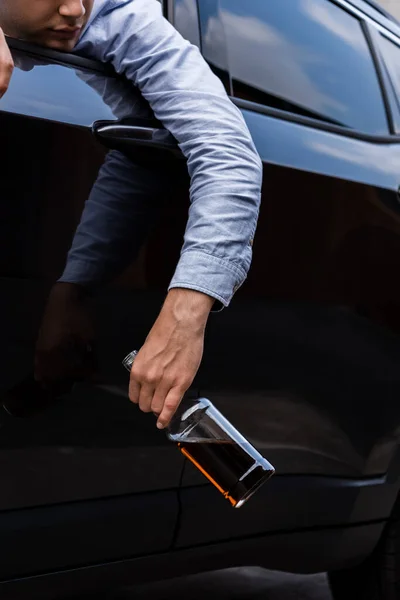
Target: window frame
column 61, row 58
column 369, row 34
column 393, row 98
column 365, row 11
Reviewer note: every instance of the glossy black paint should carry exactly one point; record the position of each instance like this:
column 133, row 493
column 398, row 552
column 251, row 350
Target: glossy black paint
column 306, row 359
column 253, row 550
column 304, row 362
column 93, row 444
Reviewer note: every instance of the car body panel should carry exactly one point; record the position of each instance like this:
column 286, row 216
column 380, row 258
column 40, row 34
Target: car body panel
column 313, row 150
column 304, row 362
column 92, row 465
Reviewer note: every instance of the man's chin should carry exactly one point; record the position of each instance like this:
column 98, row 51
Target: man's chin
column 67, row 45
column 60, row 45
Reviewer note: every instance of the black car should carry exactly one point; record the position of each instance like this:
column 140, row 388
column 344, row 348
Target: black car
column 306, row 360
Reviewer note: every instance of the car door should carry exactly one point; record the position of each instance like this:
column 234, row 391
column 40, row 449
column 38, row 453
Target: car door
column 305, row 360
column 91, row 476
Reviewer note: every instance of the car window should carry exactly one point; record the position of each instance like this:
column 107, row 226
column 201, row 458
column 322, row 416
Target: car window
column 391, row 57
column 213, row 41
column 41, row 87
column 186, row 20
column 311, row 60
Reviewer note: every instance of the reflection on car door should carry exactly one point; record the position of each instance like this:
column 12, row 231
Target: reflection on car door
column 92, row 464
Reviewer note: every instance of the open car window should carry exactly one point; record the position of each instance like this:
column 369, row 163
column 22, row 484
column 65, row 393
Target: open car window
column 65, row 88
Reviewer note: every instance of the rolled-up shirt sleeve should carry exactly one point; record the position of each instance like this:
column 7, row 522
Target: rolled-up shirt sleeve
column 191, row 102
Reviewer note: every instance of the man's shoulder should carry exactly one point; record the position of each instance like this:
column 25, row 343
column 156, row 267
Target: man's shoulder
column 104, row 9
column 101, row 13
column 101, row 7
column 113, row 22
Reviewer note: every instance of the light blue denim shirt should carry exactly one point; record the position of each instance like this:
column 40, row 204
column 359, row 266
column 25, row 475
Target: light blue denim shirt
column 224, row 167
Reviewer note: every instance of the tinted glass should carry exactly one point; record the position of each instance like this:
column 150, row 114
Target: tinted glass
column 42, row 88
column 186, row 20
column 213, row 42
column 304, row 56
column 391, row 55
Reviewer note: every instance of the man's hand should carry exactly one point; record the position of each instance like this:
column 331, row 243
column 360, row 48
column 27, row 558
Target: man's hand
column 167, row 363
column 6, row 64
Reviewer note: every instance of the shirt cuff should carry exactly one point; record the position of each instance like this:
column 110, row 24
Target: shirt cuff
column 211, row 275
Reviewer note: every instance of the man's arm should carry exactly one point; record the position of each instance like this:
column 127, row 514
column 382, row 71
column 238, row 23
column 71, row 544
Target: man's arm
column 191, row 102
column 226, row 175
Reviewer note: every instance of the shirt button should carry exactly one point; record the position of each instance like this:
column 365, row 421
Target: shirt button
column 251, row 242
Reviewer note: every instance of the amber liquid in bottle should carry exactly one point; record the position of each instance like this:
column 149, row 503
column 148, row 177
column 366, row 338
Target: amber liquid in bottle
column 220, row 452
column 227, row 465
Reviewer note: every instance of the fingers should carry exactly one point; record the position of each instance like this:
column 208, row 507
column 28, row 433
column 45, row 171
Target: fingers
column 160, row 395
column 146, row 397
column 134, row 389
column 6, row 65
column 159, row 398
column 142, row 387
column 170, row 406
column 148, row 392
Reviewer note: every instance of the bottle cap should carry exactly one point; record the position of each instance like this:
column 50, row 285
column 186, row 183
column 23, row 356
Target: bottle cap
column 129, row 360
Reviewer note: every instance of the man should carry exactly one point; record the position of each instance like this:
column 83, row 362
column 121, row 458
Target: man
column 224, row 167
